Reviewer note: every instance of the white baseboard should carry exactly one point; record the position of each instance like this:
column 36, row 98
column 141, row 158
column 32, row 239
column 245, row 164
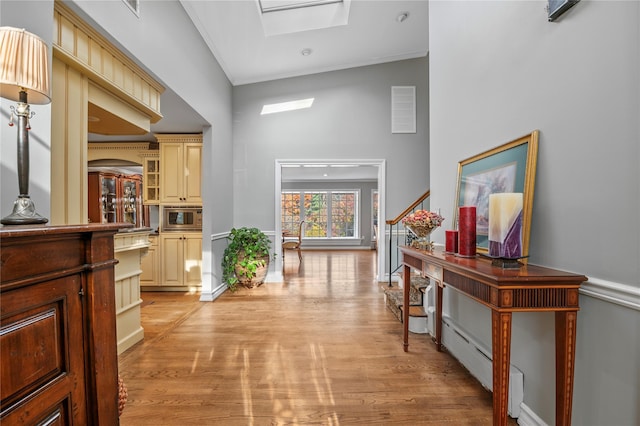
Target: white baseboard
column 214, row 294
column 528, row 417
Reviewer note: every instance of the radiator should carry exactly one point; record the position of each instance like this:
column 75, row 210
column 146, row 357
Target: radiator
column 477, row 359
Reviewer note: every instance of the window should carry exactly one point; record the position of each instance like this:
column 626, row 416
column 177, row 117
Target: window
column 326, row 214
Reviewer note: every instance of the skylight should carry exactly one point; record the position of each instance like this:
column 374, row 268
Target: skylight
column 293, row 16
column 275, row 5
column 287, row 106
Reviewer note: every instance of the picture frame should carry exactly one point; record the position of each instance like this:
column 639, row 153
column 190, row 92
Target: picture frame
column 510, row 167
column 556, row 8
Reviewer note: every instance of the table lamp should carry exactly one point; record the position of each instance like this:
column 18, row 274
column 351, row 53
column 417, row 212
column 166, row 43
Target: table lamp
column 24, row 75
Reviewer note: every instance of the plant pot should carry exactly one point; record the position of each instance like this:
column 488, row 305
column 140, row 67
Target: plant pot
column 254, row 278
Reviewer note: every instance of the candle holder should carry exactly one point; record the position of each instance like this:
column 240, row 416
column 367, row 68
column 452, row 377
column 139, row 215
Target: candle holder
column 506, row 263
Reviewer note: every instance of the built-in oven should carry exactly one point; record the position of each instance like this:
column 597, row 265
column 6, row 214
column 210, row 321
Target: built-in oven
column 181, row 218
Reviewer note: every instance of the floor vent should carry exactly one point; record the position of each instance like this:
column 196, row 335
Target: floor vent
column 477, row 359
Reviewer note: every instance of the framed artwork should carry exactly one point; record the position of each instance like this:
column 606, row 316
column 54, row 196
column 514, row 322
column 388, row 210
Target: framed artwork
column 558, row 7
column 507, row 168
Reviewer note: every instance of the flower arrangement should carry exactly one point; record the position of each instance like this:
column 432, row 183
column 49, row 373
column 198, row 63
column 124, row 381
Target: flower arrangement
column 423, row 219
column 421, row 223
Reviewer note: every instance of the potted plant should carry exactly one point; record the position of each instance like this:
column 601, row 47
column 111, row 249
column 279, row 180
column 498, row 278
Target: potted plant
column 246, row 258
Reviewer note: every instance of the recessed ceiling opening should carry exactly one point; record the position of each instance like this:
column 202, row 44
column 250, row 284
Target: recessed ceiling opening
column 294, row 16
column 276, row 5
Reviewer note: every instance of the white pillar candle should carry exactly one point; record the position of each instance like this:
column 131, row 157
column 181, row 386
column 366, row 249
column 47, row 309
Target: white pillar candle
column 505, row 225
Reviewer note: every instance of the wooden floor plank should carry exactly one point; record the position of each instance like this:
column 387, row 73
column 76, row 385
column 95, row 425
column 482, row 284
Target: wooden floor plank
column 320, row 348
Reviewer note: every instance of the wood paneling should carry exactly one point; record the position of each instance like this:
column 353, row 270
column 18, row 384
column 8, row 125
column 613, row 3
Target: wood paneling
column 57, row 326
column 83, row 48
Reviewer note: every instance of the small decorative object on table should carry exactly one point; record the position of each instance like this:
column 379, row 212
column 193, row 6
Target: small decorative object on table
column 421, row 223
column 467, row 231
column 451, row 241
column 505, row 229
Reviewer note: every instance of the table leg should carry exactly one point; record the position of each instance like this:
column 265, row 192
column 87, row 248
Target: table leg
column 565, row 363
column 501, row 340
column 405, row 306
column 439, row 291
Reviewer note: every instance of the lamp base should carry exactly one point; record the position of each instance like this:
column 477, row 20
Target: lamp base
column 24, row 213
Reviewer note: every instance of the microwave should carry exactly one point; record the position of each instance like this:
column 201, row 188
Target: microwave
column 181, row 218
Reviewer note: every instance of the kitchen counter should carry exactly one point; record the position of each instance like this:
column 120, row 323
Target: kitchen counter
column 130, row 246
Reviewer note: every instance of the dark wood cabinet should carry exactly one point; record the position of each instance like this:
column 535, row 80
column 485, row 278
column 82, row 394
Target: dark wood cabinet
column 116, row 198
column 57, row 325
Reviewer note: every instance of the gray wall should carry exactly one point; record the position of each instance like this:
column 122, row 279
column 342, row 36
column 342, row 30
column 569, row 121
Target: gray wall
column 350, row 119
column 499, row 70
column 35, row 17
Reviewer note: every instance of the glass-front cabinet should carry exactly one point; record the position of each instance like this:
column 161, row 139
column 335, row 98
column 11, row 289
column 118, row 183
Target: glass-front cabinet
column 151, row 193
column 103, row 197
column 131, row 200
column 115, row 198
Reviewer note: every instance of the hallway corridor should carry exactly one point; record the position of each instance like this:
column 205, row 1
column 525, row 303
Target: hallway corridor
column 320, row 348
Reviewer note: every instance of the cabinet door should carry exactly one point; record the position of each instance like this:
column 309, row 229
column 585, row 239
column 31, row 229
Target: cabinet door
column 150, row 266
column 130, row 201
column 41, row 347
column 193, row 260
column 192, row 166
column 151, row 180
column 171, row 172
column 172, row 259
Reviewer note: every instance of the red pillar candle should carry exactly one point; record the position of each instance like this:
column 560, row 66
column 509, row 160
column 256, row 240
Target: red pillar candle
column 451, row 242
column 467, row 231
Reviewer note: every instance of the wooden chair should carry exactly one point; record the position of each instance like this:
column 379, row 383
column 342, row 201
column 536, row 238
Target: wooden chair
column 293, row 244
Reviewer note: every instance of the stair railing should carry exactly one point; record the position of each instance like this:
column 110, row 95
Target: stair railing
column 397, row 234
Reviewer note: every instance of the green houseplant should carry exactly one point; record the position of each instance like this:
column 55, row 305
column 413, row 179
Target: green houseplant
column 246, row 258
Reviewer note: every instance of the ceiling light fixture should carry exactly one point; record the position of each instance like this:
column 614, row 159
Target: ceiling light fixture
column 306, row 52
column 403, row 16
column 287, row 106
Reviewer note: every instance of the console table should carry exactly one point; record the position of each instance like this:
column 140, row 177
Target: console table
column 529, row 288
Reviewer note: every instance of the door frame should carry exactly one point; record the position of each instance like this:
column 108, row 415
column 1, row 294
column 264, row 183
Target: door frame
column 382, row 173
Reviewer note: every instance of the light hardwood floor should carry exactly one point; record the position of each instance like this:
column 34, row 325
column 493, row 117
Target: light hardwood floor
column 319, row 348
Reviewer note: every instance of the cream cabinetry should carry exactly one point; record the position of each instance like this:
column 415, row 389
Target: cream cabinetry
column 181, row 255
column 130, row 248
column 150, row 264
column 180, row 168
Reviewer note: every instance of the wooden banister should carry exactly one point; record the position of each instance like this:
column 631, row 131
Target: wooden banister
column 408, row 209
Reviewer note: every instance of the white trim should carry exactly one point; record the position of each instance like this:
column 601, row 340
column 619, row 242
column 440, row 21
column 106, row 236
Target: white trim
column 382, row 173
column 528, row 417
column 214, row 294
column 612, row 292
column 219, row 236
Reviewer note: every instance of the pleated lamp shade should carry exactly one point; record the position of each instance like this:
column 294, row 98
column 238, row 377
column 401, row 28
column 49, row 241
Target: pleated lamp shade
column 24, row 65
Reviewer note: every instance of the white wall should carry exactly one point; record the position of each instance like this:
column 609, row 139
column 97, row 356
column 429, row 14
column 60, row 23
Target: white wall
column 499, row 70
column 350, row 119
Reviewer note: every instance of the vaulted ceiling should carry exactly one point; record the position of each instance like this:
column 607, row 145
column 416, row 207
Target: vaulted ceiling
column 262, row 40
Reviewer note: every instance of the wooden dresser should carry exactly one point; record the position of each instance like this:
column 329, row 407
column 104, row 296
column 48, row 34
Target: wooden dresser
column 57, row 325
